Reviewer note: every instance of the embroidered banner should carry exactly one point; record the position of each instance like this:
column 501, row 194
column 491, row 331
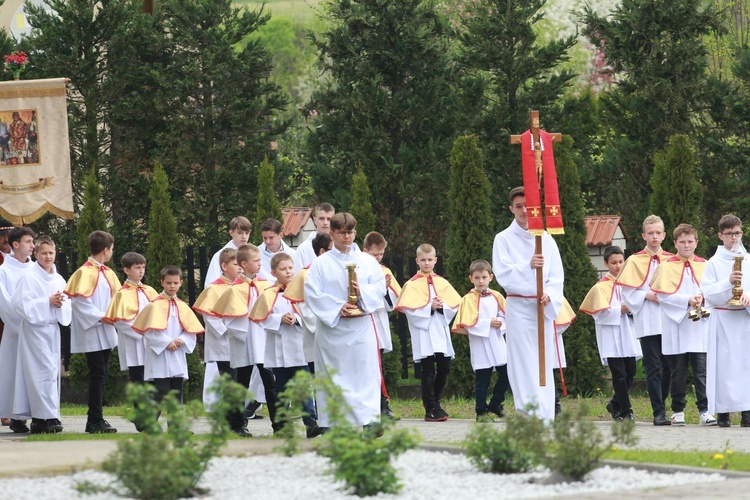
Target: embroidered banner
column 34, row 150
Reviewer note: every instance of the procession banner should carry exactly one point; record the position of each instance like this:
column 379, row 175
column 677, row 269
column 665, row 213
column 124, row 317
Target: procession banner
column 34, row 151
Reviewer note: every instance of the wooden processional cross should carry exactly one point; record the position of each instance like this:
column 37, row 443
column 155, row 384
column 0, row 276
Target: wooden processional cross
column 537, row 212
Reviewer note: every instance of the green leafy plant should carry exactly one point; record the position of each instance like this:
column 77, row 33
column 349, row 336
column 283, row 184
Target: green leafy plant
column 158, row 465
column 497, row 451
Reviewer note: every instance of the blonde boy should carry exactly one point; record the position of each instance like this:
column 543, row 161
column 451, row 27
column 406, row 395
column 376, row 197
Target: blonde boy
column 481, row 315
column 430, row 303
column 90, row 290
column 374, row 245
column 642, row 302
column 676, row 283
column 239, row 229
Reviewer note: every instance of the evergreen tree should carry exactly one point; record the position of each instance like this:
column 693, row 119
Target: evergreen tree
column 509, row 71
column 585, row 371
column 677, row 190
column 163, row 241
column 387, row 106
column 470, row 237
column 656, row 50
column 360, row 206
column 267, row 205
column 91, row 217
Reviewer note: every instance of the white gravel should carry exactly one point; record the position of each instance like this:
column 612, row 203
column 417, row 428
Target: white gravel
column 302, row 477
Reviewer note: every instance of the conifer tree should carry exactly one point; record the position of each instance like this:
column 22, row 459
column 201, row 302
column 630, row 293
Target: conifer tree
column 470, row 237
column 267, row 205
column 585, row 371
column 360, row 206
column 163, row 240
column 677, row 191
column 92, row 216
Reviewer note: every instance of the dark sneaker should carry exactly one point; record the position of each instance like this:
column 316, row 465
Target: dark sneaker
column 661, row 419
column 19, row 426
column 626, row 415
column 485, row 418
column 432, row 415
column 51, row 426
column 745, row 422
column 612, row 410
column 101, row 427
column 242, row 432
column 386, row 411
column 251, row 409
column 723, row 420
column 439, row 410
column 313, row 430
column 497, row 410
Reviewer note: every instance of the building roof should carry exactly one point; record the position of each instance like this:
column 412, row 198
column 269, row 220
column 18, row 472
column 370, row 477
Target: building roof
column 295, row 219
column 600, row 229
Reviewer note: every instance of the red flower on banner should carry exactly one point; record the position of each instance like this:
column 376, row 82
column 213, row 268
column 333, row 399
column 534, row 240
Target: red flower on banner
column 16, row 62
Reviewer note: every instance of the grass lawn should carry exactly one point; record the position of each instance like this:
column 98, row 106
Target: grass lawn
column 724, row 459
column 298, row 11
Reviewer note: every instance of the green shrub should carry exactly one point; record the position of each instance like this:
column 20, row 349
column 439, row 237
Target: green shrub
column 493, row 450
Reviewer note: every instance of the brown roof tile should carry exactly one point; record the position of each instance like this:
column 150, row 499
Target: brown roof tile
column 600, row 229
column 295, row 219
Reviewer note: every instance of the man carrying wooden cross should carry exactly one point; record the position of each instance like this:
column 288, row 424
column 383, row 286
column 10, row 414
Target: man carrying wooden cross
column 527, row 264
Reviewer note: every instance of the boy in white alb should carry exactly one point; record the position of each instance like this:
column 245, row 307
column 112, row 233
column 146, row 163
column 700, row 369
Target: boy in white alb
column 21, row 240
column 374, row 244
column 169, row 328
column 618, row 347
column 481, row 315
column 40, row 301
column 728, row 349
column 676, row 283
column 239, row 229
column 90, row 290
column 273, row 244
column 305, row 254
column 430, row 303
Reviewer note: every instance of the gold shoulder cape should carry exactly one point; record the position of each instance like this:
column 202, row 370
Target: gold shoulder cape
column 635, row 271
column 235, row 300
column 84, row 281
column 669, row 275
column 205, row 302
column 155, row 316
column 468, row 311
column 295, row 290
column 124, row 304
column 416, row 292
column 264, row 305
column 566, row 315
column 394, row 286
column 599, row 297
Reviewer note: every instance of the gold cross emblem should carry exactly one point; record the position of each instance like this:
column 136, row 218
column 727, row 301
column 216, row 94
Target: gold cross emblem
column 553, row 210
column 535, row 212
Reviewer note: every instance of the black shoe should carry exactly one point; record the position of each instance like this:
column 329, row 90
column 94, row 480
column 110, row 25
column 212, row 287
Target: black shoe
column 612, row 410
column 386, row 411
column 374, row 429
column 242, row 432
column 19, row 426
column 626, row 415
column 50, row 426
column 439, row 411
column 722, row 420
column 313, row 430
column 745, row 422
column 661, row 419
column 101, row 427
column 485, row 418
column 497, row 410
column 251, row 409
column 432, row 415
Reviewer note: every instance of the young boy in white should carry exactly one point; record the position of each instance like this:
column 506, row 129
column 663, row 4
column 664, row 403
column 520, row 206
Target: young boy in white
column 615, row 338
column 374, row 244
column 676, row 283
column 728, row 341
column 305, row 254
column 40, row 301
column 481, row 315
column 21, row 240
column 430, row 303
column 273, row 244
column 169, row 327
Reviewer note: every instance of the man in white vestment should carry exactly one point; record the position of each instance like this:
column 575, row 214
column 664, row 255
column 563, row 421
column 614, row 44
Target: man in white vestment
column 272, row 232
column 343, row 343
column 514, row 264
column 728, row 352
column 305, row 254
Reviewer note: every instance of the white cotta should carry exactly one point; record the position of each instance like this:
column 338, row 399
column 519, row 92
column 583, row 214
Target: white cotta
column 247, row 339
column 487, row 344
column 615, row 337
column 284, row 343
column 646, row 314
column 87, row 332
column 265, row 259
column 160, row 361
column 429, row 330
column 304, row 254
column 680, row 334
column 131, row 347
column 382, row 322
column 214, row 268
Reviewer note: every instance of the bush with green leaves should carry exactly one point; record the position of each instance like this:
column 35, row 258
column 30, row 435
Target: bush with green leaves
column 159, row 465
column 493, row 450
column 361, row 458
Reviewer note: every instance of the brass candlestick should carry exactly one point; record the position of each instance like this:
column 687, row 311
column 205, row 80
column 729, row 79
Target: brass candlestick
column 353, row 298
column 737, row 288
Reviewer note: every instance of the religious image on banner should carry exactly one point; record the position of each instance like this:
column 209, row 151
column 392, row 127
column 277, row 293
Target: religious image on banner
column 35, row 173
column 19, row 137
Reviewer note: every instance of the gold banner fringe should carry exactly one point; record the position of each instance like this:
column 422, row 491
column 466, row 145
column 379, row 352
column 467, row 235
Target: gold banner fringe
column 556, row 230
column 29, row 218
column 32, row 92
column 536, row 232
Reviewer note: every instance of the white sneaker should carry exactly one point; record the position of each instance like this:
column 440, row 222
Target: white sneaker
column 707, row 419
column 679, row 418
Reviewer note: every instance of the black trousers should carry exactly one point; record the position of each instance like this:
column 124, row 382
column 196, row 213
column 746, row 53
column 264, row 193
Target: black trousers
column 623, row 371
column 482, row 386
column 98, row 364
column 433, row 381
column 678, row 363
column 136, row 373
column 658, row 372
column 166, row 385
column 269, row 387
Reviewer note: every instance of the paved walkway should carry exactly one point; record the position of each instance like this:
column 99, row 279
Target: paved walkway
column 19, row 457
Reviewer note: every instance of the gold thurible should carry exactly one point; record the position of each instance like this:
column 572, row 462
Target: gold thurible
column 737, row 288
column 353, row 297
